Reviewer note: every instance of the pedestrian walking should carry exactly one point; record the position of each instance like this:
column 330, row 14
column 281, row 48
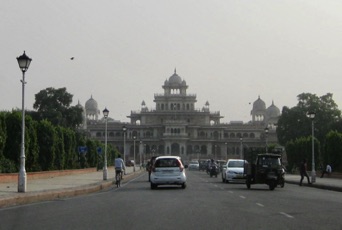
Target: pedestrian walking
column 327, row 170
column 303, row 172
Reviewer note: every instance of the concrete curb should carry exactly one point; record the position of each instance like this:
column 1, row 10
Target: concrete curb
column 32, row 197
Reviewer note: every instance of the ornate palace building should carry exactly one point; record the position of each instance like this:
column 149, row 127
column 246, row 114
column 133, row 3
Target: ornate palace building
column 177, row 127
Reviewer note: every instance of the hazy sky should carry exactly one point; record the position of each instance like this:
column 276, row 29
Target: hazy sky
column 228, row 52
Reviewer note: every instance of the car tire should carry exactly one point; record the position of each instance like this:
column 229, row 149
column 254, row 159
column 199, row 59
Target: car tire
column 248, row 182
column 153, row 186
column 272, row 185
column 183, row 186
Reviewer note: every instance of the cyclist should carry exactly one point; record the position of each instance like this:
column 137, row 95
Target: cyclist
column 119, row 165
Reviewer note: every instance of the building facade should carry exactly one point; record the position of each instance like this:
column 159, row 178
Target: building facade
column 176, row 127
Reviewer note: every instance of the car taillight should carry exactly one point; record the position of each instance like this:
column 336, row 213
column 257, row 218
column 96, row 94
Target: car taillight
column 181, row 168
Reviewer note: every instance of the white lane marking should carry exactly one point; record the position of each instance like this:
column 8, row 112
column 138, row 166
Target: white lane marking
column 231, row 192
column 261, row 205
column 287, row 215
column 242, row 197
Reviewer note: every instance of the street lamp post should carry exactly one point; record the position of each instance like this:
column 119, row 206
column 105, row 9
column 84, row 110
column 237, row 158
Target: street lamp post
column 266, row 138
column 312, row 115
column 241, row 148
column 105, row 170
column 226, row 144
column 124, row 129
column 24, row 63
column 134, row 137
column 144, row 157
column 140, row 153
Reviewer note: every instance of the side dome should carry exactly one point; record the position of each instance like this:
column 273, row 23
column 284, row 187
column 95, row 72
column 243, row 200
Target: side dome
column 273, row 111
column 259, row 105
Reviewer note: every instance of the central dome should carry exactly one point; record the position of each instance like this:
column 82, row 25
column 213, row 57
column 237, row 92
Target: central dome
column 175, row 79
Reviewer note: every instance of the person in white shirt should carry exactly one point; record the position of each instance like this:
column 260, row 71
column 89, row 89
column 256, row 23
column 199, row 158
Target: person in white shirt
column 119, row 165
column 327, row 170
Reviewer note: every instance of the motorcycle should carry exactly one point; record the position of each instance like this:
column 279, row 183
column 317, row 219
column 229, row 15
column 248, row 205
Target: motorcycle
column 214, row 170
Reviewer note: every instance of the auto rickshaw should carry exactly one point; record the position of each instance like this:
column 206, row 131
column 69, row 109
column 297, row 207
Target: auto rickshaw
column 267, row 169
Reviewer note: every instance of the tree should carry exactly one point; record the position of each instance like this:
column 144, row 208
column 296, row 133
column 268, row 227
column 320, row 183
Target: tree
column 299, row 149
column 14, row 131
column 54, row 105
column 70, row 145
column 3, row 134
column 31, row 145
column 47, row 140
column 333, row 150
column 293, row 123
column 60, row 148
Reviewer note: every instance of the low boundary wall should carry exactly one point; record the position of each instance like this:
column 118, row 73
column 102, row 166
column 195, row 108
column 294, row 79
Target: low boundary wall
column 13, row 177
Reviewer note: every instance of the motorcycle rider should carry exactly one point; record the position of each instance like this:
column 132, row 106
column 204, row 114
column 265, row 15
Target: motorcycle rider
column 212, row 163
column 213, row 167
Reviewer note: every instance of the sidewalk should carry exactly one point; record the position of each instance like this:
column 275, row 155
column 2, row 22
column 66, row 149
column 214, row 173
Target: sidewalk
column 58, row 187
column 334, row 184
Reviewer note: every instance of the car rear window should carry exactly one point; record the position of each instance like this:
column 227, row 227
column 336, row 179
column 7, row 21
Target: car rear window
column 167, row 162
column 235, row 164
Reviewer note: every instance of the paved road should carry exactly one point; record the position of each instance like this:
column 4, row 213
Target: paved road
column 78, row 184
column 206, row 203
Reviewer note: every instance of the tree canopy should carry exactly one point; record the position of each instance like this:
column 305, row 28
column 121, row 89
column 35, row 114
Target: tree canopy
column 54, row 105
column 294, row 123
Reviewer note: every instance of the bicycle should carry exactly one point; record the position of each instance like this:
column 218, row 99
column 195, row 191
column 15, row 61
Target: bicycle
column 118, row 178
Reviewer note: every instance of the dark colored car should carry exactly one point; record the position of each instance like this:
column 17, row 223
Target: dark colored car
column 203, row 164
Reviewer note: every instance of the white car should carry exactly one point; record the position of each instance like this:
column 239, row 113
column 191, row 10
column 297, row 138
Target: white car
column 234, row 171
column 168, row 170
column 193, row 165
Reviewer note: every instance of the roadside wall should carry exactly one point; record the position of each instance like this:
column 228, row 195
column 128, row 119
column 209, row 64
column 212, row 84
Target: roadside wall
column 13, row 177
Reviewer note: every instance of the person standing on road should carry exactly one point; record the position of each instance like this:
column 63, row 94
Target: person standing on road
column 327, row 170
column 303, row 173
column 119, row 165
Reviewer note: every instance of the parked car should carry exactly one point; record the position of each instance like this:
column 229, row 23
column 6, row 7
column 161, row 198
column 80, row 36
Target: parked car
column 234, row 171
column 193, row 165
column 168, row 170
column 130, row 163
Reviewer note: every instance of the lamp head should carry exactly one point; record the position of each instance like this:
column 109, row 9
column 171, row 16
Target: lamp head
column 311, row 115
column 266, row 130
column 105, row 112
column 24, row 62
